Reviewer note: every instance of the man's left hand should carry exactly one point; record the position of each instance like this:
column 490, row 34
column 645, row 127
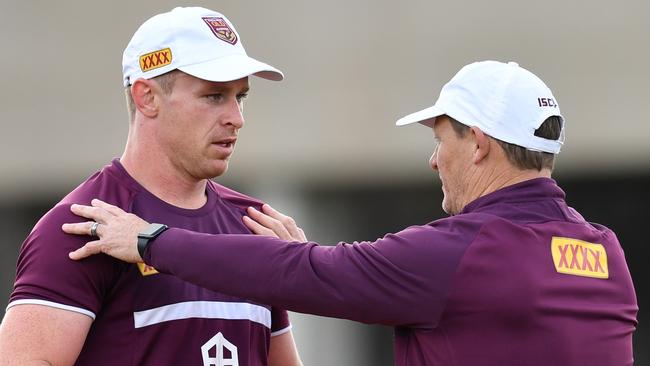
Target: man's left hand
column 116, row 231
column 271, row 222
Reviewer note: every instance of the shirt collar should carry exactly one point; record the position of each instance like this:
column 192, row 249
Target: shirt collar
column 528, row 190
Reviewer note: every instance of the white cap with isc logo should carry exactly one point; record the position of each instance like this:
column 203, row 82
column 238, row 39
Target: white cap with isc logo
column 504, row 100
column 197, row 41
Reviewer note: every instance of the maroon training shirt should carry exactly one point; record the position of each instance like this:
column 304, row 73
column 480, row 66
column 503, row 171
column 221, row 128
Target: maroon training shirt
column 518, row 278
column 142, row 317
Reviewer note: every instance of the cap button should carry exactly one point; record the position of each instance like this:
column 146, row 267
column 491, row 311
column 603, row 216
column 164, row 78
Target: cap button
column 512, row 63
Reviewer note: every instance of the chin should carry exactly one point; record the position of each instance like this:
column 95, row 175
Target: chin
column 444, row 205
column 215, row 170
column 447, row 207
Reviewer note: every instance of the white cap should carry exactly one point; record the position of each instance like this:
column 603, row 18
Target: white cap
column 197, row 41
column 505, row 101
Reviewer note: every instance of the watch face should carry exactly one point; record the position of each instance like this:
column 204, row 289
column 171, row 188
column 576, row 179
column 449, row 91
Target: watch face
column 152, row 230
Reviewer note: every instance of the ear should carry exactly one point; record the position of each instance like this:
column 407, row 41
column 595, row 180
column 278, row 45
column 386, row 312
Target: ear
column 144, row 93
column 482, row 147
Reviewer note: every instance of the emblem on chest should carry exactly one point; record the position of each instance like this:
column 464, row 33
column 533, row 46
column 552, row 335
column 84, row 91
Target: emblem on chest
column 146, row 270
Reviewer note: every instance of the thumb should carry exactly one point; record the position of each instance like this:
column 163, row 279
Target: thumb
column 87, row 250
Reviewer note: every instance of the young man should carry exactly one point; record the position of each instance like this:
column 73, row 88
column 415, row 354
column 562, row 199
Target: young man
column 186, row 75
column 513, row 277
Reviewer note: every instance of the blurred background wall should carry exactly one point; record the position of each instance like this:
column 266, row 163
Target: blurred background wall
column 322, row 145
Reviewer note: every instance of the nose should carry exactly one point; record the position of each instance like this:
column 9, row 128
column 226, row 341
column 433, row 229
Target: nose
column 433, row 160
column 234, row 115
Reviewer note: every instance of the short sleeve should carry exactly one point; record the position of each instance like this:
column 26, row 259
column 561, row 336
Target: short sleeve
column 279, row 321
column 46, row 275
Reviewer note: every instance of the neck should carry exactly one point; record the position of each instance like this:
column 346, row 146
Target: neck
column 490, row 180
column 508, row 177
column 157, row 174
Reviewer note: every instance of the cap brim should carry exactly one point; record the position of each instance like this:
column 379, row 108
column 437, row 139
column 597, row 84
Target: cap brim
column 231, row 68
column 424, row 116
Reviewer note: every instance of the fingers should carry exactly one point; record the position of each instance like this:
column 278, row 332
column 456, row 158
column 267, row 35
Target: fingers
column 288, row 222
column 107, row 206
column 267, row 209
column 303, row 237
column 271, row 223
column 94, row 213
column 80, row 228
column 87, row 250
column 258, row 229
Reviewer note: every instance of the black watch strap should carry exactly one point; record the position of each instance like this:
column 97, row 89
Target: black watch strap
column 146, row 236
column 142, row 245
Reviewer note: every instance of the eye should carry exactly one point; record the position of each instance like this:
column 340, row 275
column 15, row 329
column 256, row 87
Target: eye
column 218, row 97
column 242, row 96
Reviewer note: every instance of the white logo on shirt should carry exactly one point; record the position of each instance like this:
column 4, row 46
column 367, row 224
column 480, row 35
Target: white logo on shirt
column 223, row 350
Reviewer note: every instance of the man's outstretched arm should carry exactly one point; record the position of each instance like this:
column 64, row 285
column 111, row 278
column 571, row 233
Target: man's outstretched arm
column 119, row 229
column 401, row 279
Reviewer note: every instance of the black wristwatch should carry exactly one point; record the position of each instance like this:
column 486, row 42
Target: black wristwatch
column 147, row 235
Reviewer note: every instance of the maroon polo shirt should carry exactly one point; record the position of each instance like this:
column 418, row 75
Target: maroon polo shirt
column 141, row 316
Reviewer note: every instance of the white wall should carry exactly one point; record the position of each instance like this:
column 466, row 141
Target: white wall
column 352, row 68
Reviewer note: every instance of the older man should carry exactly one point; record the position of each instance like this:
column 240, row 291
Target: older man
column 513, row 277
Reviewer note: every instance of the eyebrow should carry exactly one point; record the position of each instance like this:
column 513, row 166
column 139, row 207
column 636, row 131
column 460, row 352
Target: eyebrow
column 224, row 87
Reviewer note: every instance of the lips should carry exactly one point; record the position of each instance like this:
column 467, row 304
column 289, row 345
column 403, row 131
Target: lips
column 226, row 142
column 225, row 145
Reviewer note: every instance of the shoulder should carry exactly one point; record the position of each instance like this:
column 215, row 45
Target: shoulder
column 233, row 197
column 48, row 238
column 43, row 269
column 463, row 223
column 462, row 228
column 441, row 239
column 102, row 185
column 109, row 184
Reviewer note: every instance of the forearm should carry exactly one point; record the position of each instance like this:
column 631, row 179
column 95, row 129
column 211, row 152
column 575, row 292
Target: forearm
column 348, row 281
column 235, row 264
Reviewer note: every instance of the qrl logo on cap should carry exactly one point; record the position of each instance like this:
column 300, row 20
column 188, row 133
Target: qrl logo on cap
column 221, row 29
column 155, row 59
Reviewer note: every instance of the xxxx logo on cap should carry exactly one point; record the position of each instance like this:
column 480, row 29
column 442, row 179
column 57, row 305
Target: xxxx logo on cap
column 221, row 29
column 155, row 59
